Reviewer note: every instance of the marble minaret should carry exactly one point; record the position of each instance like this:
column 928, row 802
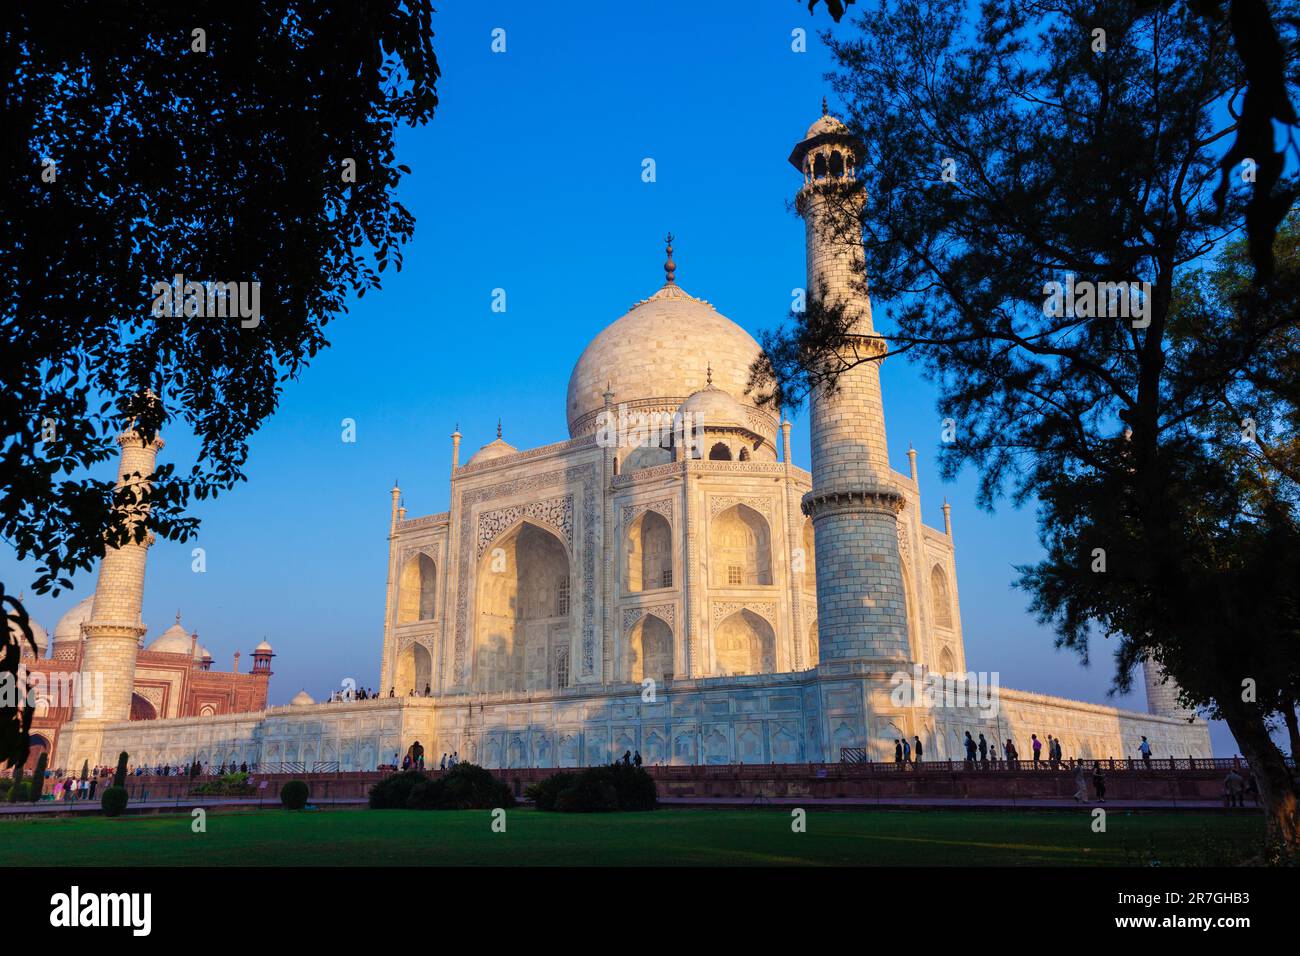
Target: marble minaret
column 113, row 632
column 854, row 502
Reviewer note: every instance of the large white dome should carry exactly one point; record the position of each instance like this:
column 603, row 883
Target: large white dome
column 68, row 630
column 658, row 354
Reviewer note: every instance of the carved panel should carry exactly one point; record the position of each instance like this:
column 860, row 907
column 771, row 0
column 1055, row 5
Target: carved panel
column 556, row 513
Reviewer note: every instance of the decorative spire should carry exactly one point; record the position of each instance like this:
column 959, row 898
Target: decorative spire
column 670, row 267
column 825, row 109
column 178, row 616
column 498, row 428
column 708, row 376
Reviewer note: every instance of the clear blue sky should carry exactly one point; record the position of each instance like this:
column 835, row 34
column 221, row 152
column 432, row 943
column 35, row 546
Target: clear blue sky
column 529, row 179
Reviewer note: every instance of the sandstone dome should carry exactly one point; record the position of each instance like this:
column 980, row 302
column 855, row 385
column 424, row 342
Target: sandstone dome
column 68, row 630
column 262, row 647
column 301, row 699
column 656, row 355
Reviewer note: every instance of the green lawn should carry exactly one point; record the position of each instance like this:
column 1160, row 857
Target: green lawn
column 666, row 837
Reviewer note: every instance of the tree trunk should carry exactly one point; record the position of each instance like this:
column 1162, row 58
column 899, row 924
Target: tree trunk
column 1277, row 789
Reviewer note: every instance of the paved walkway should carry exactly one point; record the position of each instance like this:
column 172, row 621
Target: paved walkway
column 72, row 808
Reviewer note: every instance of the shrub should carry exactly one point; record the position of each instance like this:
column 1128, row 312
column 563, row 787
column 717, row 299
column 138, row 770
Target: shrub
column 114, row 801
column 38, row 775
column 464, row 787
column 544, row 794
column 16, row 791
column 119, row 775
column 393, row 791
column 597, row 789
column 228, row 785
column 294, row 794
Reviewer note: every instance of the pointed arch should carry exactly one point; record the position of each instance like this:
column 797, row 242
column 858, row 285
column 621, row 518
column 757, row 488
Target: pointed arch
column 720, row 452
column 814, row 651
column 650, row 650
column 417, row 589
column 523, row 618
column 939, row 595
column 740, row 548
column 414, row 671
column 649, row 553
column 744, row 643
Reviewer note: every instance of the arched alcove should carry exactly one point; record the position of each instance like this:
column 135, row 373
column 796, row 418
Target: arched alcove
column 141, row 709
column 414, row 671
column 740, row 548
column 809, row 546
column 939, row 596
column 744, row 643
column 813, row 651
column 720, row 452
column 649, row 553
column 650, row 650
column 417, row 588
column 522, row 624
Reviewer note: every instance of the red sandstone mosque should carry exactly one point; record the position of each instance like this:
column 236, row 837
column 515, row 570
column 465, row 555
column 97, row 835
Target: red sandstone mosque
column 174, row 677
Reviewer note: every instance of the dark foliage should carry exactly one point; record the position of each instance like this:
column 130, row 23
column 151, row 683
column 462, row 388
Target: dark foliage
column 38, row 776
column 114, row 801
column 544, row 793
column 597, row 789
column 294, row 794
column 392, row 792
column 134, row 151
column 119, row 774
column 464, row 787
column 1266, row 100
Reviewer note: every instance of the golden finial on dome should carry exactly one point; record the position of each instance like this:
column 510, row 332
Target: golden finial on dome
column 825, row 108
column 670, row 267
column 708, row 376
column 498, row 428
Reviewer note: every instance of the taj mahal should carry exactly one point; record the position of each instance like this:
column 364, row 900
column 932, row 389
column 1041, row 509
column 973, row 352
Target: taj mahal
column 700, row 601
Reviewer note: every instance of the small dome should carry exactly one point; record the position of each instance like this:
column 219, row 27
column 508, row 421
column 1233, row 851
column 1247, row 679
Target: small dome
column 496, row 448
column 68, row 630
column 825, row 124
column 301, row 699
column 201, row 653
column 38, row 634
column 174, row 640
column 262, row 648
column 714, row 408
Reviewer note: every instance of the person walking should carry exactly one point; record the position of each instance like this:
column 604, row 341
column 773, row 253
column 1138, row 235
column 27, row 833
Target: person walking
column 1037, row 746
column 1080, row 783
column 898, row 751
column 636, row 759
column 917, row 749
column 907, row 753
column 1099, row 781
column 984, row 751
column 1233, row 787
column 970, row 749
column 1144, row 749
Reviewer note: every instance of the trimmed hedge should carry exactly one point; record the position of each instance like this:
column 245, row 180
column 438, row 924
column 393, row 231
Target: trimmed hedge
column 597, row 790
column 464, row 787
column 38, row 776
column 294, row 795
column 114, row 801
